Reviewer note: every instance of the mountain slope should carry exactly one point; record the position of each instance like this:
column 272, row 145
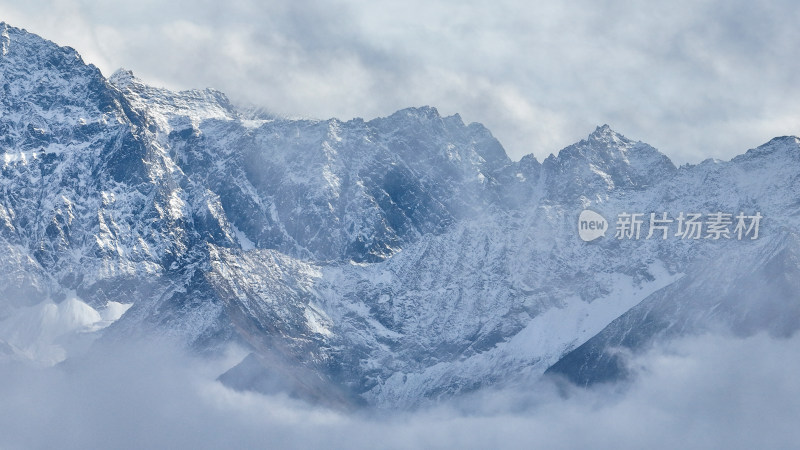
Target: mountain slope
column 726, row 293
column 394, row 261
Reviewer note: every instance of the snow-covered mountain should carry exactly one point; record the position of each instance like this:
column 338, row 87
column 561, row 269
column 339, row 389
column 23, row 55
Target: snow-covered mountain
column 391, row 262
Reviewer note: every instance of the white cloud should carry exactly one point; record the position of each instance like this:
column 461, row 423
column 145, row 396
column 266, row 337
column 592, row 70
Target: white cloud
column 706, row 392
column 696, row 79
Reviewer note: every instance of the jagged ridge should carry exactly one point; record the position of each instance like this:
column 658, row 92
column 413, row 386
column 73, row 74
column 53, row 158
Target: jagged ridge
column 395, row 260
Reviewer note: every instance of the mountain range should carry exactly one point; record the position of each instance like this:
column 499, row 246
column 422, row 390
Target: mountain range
column 390, row 262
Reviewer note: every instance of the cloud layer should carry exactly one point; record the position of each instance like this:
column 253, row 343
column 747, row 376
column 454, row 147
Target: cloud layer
column 706, row 392
column 696, row 79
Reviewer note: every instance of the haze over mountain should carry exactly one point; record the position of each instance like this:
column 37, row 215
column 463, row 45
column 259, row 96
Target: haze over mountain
column 391, row 262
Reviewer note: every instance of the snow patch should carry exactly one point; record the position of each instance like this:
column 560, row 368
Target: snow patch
column 5, row 40
column 44, row 333
column 244, row 241
column 176, row 205
column 558, row 330
column 317, row 321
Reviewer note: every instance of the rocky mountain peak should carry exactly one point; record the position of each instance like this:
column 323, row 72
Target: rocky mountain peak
column 402, row 259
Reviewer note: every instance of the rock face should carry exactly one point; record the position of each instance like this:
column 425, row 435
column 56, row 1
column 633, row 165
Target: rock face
column 391, row 262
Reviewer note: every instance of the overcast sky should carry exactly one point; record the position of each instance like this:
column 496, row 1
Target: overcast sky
column 694, row 78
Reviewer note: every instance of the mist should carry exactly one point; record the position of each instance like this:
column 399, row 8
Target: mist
column 699, row 392
column 695, row 79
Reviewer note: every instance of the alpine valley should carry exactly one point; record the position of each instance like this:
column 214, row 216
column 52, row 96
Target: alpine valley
column 392, row 263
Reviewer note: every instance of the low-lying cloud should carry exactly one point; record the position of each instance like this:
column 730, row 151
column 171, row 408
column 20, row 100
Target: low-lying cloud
column 703, row 392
